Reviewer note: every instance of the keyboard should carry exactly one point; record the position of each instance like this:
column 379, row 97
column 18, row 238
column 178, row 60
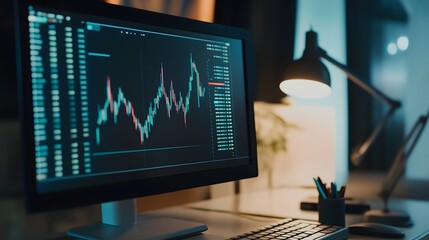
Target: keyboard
column 296, row 229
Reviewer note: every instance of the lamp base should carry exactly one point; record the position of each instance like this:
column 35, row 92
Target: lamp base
column 389, row 217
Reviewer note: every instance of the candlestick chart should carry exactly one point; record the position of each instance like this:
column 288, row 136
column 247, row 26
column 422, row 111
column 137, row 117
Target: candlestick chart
column 166, row 96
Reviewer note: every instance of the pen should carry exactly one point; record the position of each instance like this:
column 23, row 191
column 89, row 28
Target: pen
column 319, row 188
column 342, row 192
column 322, row 185
column 333, row 190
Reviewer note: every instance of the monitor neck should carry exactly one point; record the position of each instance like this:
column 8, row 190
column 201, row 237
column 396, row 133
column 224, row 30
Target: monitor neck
column 119, row 213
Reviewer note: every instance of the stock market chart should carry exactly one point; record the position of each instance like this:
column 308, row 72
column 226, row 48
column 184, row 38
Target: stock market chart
column 113, row 97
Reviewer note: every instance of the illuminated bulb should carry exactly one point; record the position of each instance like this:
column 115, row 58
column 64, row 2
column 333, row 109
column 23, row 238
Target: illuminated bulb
column 403, row 43
column 392, row 49
column 305, row 88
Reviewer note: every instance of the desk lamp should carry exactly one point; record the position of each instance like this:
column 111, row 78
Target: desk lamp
column 308, row 77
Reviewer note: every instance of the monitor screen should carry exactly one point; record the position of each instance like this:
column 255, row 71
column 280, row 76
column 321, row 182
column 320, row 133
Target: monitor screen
column 118, row 103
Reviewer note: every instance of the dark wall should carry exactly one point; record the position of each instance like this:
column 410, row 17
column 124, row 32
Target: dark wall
column 8, row 91
column 272, row 24
column 359, row 37
column 366, row 22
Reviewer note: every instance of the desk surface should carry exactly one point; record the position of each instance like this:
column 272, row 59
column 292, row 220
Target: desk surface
column 232, row 215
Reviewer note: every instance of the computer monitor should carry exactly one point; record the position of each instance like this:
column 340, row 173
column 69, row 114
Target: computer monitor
column 118, row 103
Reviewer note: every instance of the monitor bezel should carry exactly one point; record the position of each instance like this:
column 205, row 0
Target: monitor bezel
column 144, row 187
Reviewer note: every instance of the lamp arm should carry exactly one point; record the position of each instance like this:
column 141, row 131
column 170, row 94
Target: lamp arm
column 360, row 151
column 355, row 79
column 398, row 166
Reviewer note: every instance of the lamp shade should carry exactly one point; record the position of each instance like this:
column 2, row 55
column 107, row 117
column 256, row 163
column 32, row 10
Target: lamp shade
column 307, row 77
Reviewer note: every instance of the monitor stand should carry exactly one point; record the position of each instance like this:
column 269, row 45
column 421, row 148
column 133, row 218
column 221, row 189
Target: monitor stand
column 119, row 221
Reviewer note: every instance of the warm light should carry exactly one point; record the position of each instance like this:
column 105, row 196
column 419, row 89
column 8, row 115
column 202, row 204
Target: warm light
column 392, row 48
column 117, row 2
column 305, row 88
column 402, row 43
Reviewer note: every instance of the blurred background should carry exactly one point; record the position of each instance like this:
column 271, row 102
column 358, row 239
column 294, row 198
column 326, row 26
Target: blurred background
column 384, row 41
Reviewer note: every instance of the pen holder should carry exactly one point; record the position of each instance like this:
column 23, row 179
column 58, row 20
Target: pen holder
column 332, row 211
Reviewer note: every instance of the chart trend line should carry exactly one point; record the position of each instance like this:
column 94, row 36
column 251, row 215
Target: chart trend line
column 173, row 101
